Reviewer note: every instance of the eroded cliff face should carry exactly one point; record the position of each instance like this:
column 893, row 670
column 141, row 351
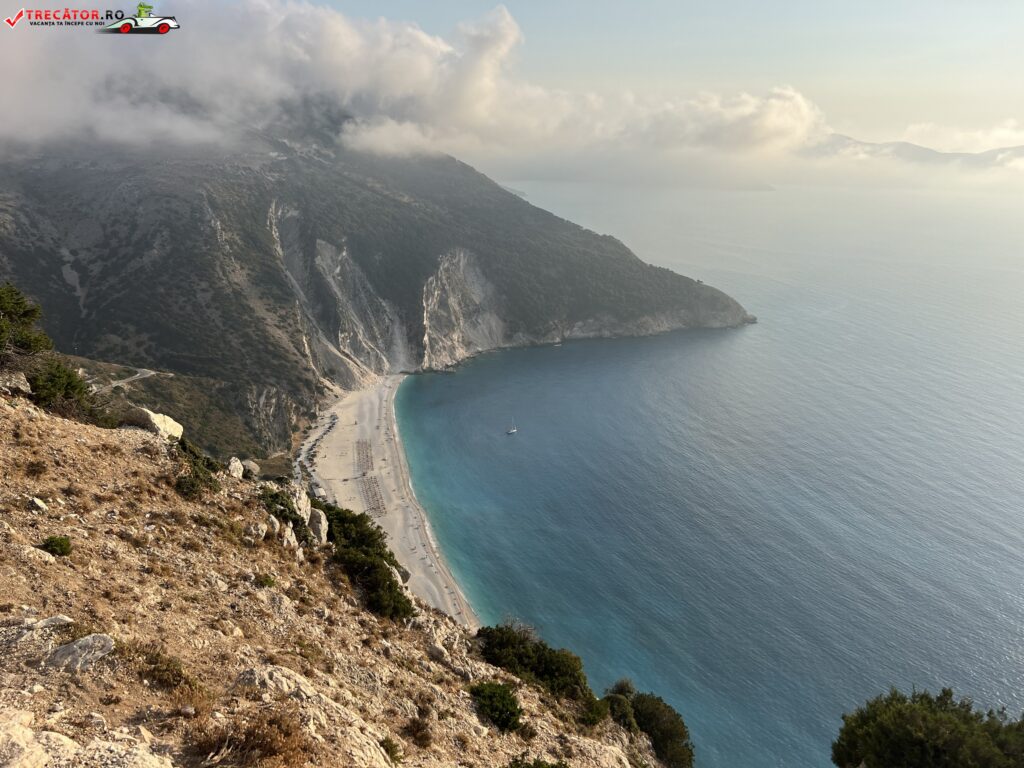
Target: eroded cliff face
column 460, row 313
column 351, row 334
column 462, row 316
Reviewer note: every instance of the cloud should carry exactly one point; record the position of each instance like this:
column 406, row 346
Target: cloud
column 406, row 90
column 270, row 63
column 1008, row 133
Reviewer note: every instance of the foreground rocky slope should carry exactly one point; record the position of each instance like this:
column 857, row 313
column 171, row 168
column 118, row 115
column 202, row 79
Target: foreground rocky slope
column 188, row 633
column 282, row 269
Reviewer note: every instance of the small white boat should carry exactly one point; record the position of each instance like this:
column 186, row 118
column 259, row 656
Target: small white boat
column 511, row 430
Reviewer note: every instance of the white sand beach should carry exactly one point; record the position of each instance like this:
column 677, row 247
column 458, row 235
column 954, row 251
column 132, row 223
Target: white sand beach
column 355, row 454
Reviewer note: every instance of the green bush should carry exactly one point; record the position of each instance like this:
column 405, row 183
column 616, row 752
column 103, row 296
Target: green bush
column 19, row 336
column 198, row 475
column 517, row 649
column 666, row 729
column 497, row 702
column 391, row 749
column 264, row 580
column 593, row 712
column 54, row 385
column 361, row 549
column 621, row 711
column 58, row 546
column 926, row 731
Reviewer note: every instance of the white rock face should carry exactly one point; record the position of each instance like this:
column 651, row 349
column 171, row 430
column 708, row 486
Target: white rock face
column 235, row 468
column 362, row 741
column 157, row 423
column 459, row 312
column 300, row 499
column 288, row 540
column 14, row 384
column 21, row 747
column 318, row 527
column 462, row 316
column 18, row 745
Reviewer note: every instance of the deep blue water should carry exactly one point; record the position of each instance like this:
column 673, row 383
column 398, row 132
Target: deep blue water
column 771, row 524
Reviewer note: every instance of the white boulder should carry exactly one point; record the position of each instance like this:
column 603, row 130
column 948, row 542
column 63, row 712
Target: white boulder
column 318, row 527
column 157, row 423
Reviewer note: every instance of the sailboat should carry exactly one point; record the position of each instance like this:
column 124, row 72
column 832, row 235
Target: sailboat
column 512, row 430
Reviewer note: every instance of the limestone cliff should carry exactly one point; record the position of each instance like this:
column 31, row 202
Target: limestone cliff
column 462, row 316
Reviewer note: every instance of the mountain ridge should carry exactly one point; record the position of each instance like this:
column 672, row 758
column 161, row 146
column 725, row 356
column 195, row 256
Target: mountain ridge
column 290, row 271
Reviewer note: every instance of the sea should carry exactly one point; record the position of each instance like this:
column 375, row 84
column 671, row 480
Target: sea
column 769, row 525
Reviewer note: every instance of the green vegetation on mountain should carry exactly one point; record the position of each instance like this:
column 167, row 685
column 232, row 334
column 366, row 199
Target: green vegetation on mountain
column 926, row 731
column 26, row 348
column 517, row 648
column 361, row 549
column 497, row 703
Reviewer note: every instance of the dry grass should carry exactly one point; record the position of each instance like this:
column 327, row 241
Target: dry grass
column 269, row 738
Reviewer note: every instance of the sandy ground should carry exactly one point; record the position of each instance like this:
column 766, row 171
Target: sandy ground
column 355, row 454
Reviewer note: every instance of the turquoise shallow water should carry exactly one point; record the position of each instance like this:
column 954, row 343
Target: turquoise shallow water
column 771, row 524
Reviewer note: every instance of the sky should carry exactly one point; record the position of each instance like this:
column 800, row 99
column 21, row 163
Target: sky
column 875, row 68
column 734, row 92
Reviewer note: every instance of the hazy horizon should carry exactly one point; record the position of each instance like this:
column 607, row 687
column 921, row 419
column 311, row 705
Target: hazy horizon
column 738, row 96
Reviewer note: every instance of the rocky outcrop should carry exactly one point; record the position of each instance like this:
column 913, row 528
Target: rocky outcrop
column 82, row 653
column 235, row 468
column 22, row 747
column 318, row 527
column 157, row 423
column 14, row 383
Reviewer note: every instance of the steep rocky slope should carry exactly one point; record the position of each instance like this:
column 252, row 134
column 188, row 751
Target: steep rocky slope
column 187, row 633
column 279, row 271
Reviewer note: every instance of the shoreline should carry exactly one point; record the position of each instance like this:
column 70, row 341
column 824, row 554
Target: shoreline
column 355, row 453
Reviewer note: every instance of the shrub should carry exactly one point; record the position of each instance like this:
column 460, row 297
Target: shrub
column 666, row 729
column 19, row 336
column 58, row 546
column 35, row 469
column 361, row 549
column 418, row 729
column 593, row 712
column 922, row 730
column 517, row 649
column 56, row 386
column 264, row 580
column 198, row 475
column 497, row 702
column 523, row 762
column 272, row 738
column 164, row 672
column 391, row 749
column 621, row 711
